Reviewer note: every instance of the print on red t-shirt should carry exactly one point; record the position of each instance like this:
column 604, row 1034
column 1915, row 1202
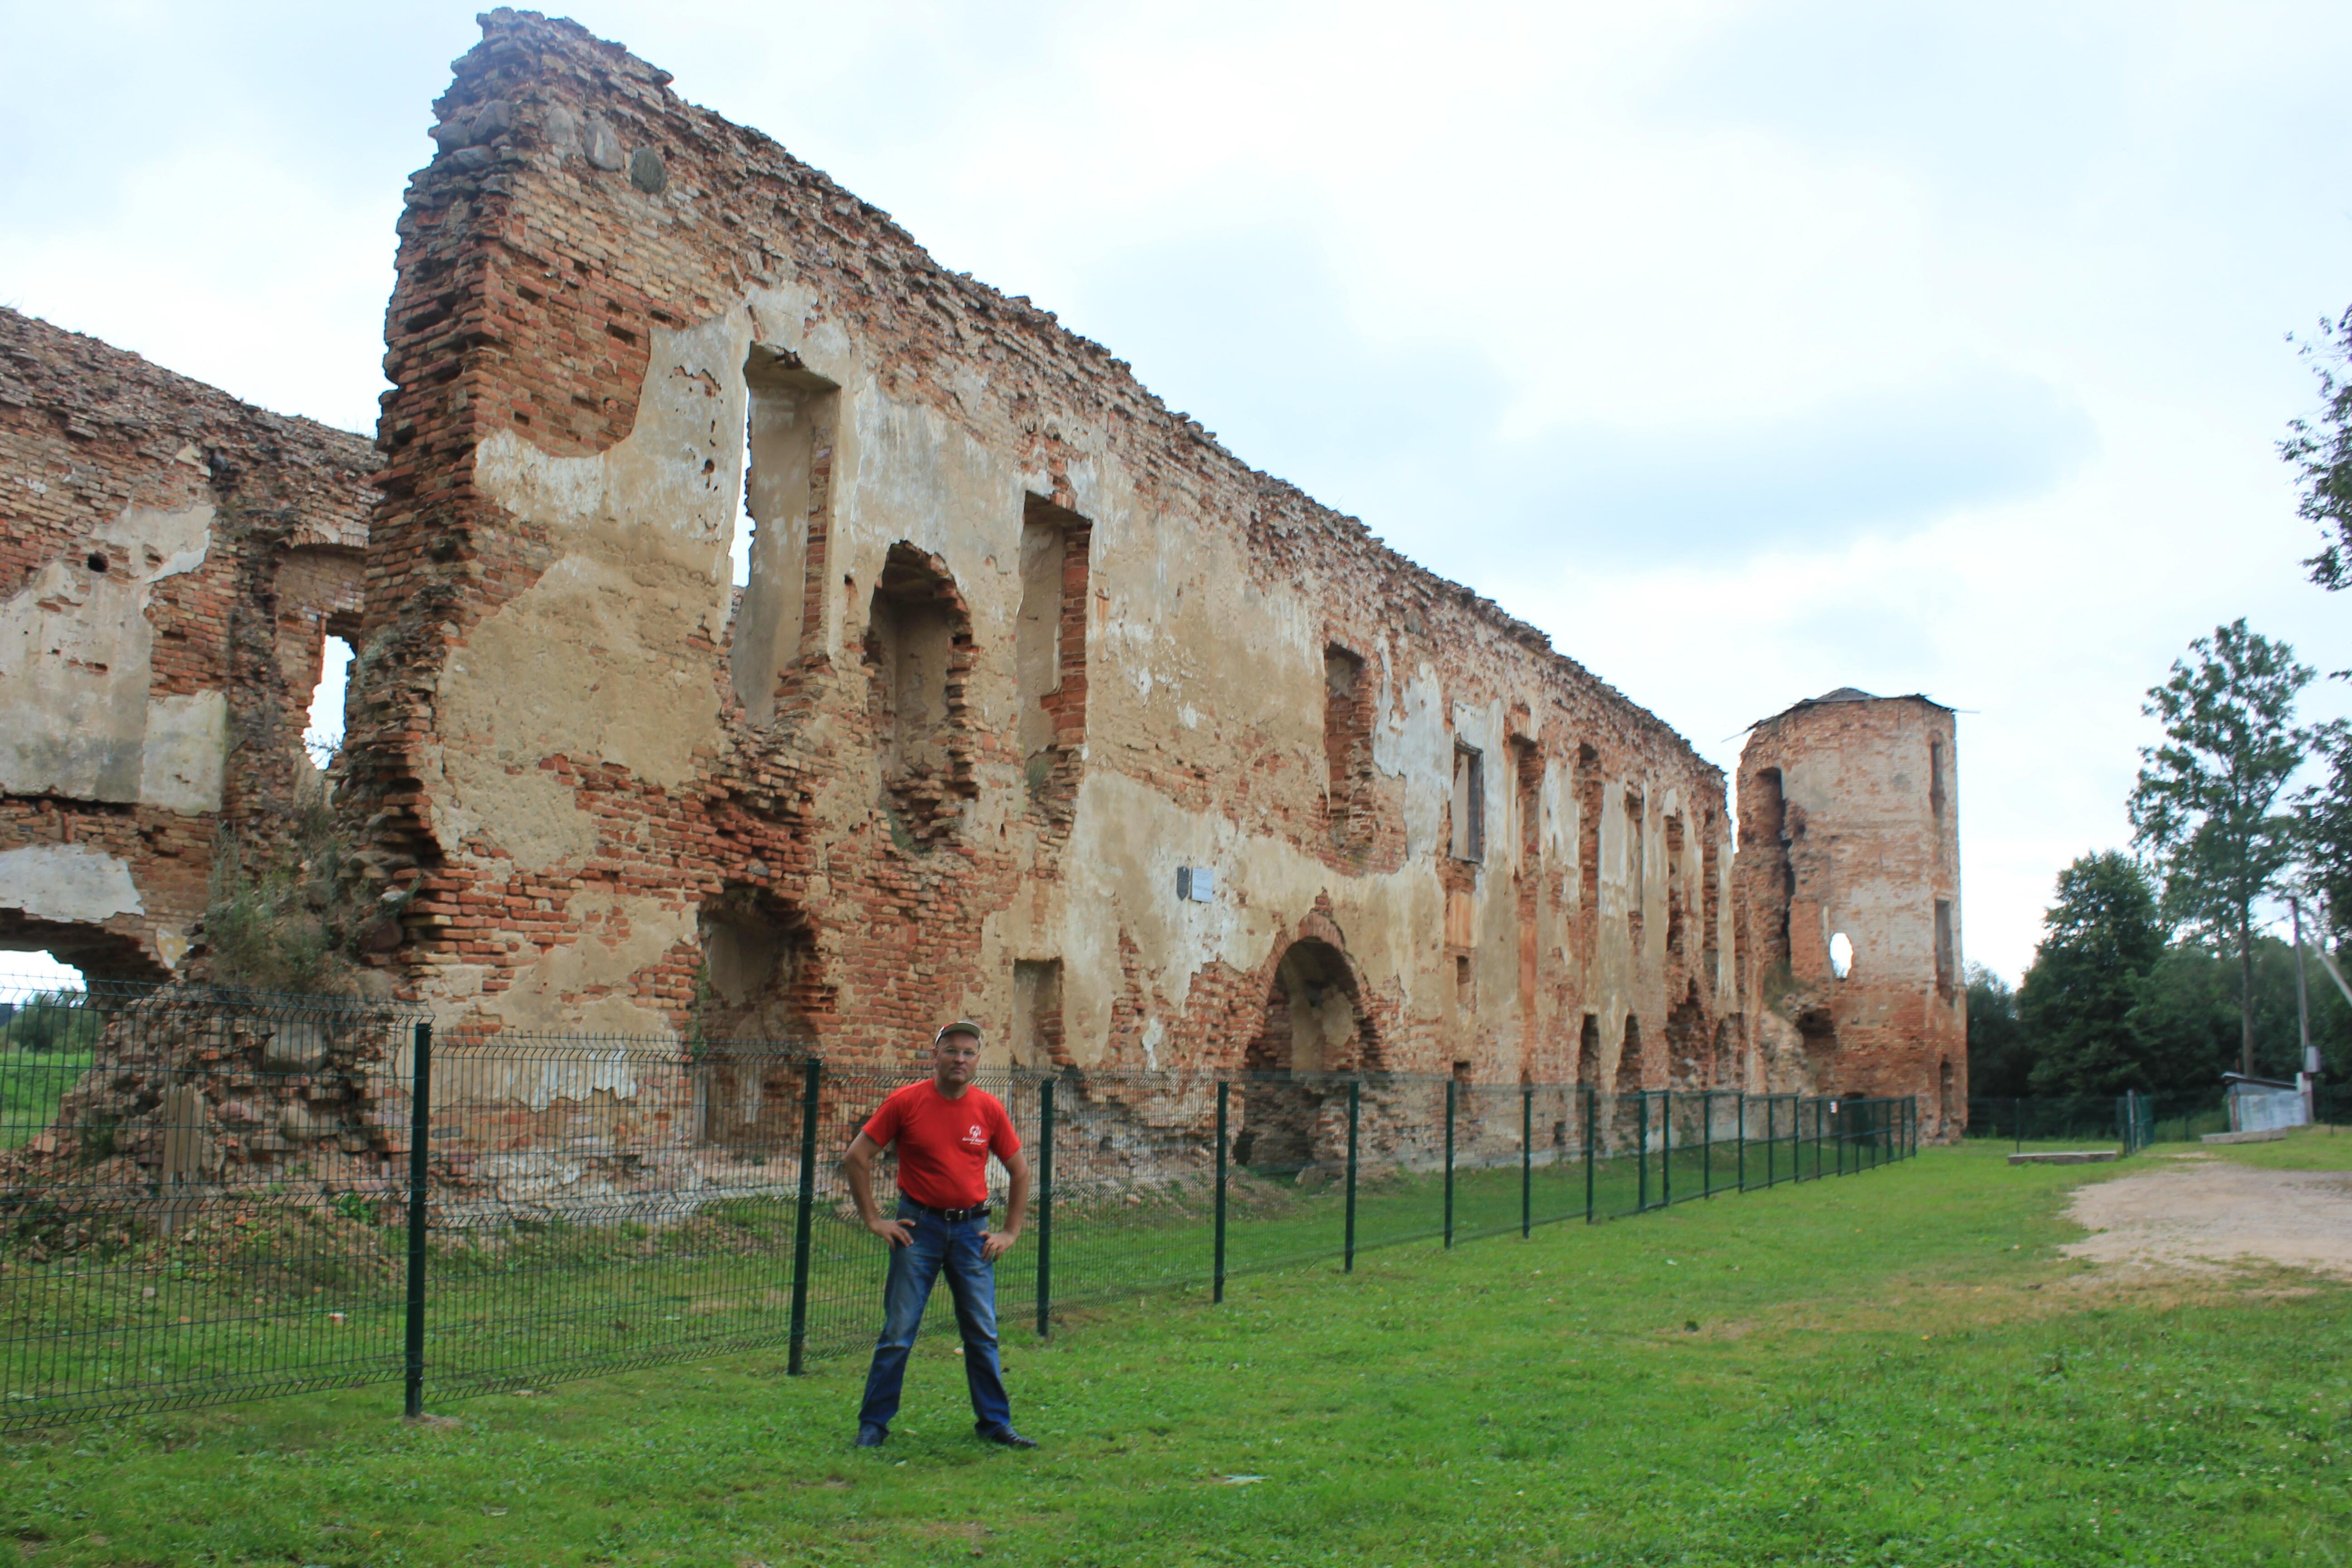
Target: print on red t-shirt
column 944, row 1144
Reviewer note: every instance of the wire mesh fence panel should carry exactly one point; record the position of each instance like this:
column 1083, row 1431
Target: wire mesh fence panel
column 1400, row 1181
column 1770, row 1157
column 2046, row 1119
column 1490, row 1170
column 1286, row 1187
column 209, row 1196
column 195, row 1193
column 1556, row 1190
column 597, row 1204
column 1133, row 1191
column 1624, row 1176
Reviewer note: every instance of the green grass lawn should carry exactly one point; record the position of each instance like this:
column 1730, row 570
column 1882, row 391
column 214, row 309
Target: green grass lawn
column 1897, row 1368
column 2302, row 1149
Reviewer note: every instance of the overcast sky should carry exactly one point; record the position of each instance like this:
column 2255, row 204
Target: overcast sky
column 1750, row 351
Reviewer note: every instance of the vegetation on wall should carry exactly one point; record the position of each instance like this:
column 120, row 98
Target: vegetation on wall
column 292, row 919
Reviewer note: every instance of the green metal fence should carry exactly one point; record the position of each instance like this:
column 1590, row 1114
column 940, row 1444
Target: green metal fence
column 211, row 1197
column 2132, row 1121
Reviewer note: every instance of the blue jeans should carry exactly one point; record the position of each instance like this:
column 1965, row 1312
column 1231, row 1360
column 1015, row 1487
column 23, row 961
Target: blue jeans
column 971, row 1280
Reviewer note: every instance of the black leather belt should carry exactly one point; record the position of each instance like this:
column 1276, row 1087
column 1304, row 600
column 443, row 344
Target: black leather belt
column 953, row 1216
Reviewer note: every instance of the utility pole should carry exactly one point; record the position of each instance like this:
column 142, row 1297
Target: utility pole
column 2308, row 1078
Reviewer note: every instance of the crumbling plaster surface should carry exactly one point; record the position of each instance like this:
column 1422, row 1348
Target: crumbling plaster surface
column 76, row 718
column 548, row 569
column 145, row 633
column 69, row 882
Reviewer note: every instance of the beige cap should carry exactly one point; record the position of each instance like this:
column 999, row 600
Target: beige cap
column 960, row 1027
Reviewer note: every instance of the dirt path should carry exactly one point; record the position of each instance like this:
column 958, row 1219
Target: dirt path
column 2204, row 1213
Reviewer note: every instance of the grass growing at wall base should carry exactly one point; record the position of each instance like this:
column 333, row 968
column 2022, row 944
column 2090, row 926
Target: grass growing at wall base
column 1901, row 1370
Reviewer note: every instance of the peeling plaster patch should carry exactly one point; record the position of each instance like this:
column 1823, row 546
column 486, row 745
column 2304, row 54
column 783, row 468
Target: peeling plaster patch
column 75, row 651
column 596, row 661
column 67, row 882
column 162, row 543
column 187, row 744
column 1124, row 850
column 170, row 946
column 618, row 936
column 1411, row 741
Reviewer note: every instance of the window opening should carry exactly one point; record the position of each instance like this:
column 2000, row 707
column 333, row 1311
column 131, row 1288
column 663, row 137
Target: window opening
column 1588, row 831
column 1037, row 1012
column 755, row 1015
column 323, row 732
column 1946, row 963
column 1935, row 777
column 1587, row 1051
column 1469, row 805
column 1049, row 649
column 1528, row 771
column 1841, row 954
column 1636, row 880
column 1677, row 900
column 778, row 550
column 1710, row 904
column 1780, row 874
column 918, row 658
column 1348, row 746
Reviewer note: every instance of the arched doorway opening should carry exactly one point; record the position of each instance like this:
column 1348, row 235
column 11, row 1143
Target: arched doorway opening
column 1294, row 1118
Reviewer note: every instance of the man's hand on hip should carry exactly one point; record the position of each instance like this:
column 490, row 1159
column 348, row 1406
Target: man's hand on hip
column 996, row 1244
column 896, row 1232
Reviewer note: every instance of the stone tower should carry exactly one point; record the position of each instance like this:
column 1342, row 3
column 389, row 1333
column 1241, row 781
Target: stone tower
column 1848, row 884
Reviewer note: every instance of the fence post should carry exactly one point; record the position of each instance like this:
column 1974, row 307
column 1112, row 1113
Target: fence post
column 1044, row 1207
column 420, row 1135
column 1591, row 1102
column 1771, row 1143
column 1820, row 1110
column 2020, row 1126
column 1739, row 1125
column 1527, row 1160
column 1452, row 1086
column 804, row 1222
column 1355, row 1116
column 1642, row 1152
column 1707, row 1143
column 1217, row 1277
column 1666, row 1152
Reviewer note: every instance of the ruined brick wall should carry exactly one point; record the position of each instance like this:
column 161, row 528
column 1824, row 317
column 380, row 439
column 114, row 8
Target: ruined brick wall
column 1018, row 644
column 171, row 559
column 1849, row 823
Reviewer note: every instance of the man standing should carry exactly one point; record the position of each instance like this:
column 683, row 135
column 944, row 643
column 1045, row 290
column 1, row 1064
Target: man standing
column 945, row 1129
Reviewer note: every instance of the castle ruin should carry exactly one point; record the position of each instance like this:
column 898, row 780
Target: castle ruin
column 1037, row 706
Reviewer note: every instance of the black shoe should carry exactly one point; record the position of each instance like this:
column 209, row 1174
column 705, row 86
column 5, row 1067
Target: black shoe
column 872, row 1436
column 1006, row 1437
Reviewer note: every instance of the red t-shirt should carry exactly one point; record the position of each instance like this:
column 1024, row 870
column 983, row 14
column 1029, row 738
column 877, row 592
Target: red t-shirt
column 944, row 1144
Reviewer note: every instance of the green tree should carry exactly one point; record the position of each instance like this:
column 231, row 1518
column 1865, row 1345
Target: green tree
column 2321, row 450
column 2076, row 1005
column 2205, row 807
column 2324, row 811
column 2001, row 1058
column 2188, row 1016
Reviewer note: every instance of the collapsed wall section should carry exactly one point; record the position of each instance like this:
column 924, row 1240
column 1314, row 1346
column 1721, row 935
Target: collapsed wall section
column 171, row 560
column 1849, row 886
column 1037, row 706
